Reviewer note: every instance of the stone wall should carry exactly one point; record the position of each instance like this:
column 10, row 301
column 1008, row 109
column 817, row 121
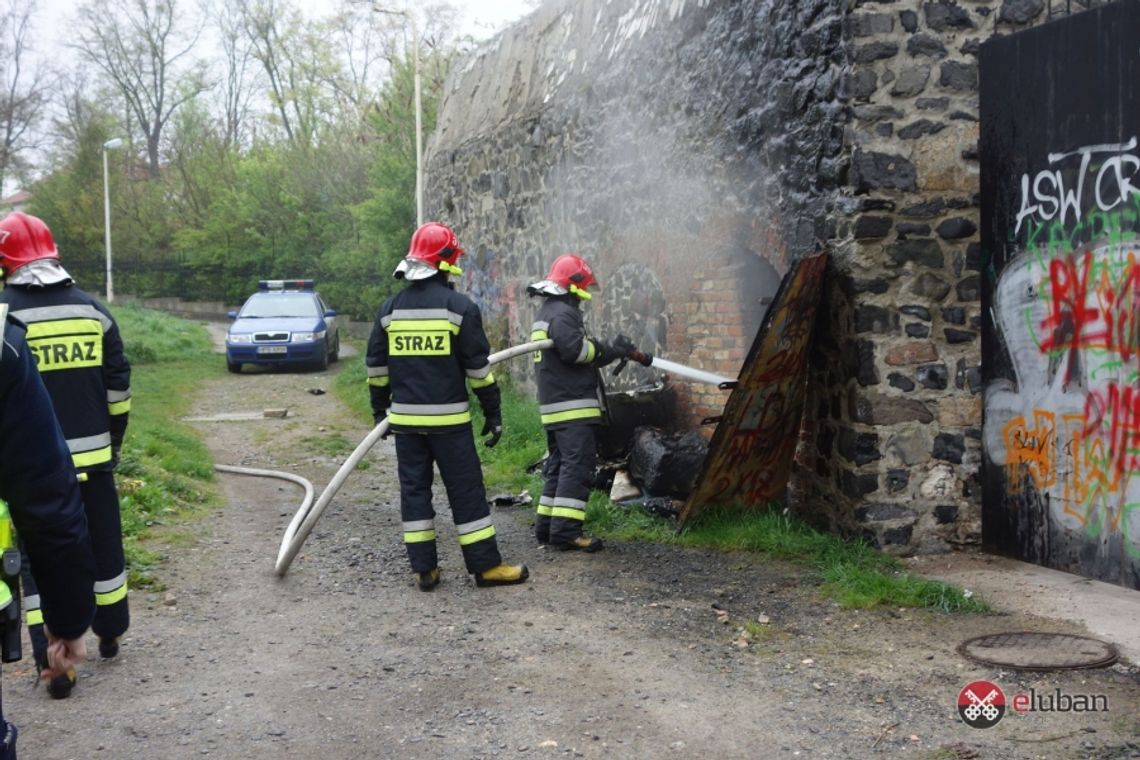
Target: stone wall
column 690, row 149
column 896, row 414
column 653, row 138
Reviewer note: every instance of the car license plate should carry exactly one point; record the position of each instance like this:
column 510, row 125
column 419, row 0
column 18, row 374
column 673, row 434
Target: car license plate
column 272, row 349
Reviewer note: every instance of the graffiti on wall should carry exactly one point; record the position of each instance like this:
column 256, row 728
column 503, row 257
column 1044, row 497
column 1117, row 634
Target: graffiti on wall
column 1067, row 307
column 751, row 453
column 1059, row 151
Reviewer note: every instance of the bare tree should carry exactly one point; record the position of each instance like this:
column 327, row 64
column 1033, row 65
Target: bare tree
column 296, row 61
column 240, row 76
column 366, row 46
column 142, row 48
column 25, row 90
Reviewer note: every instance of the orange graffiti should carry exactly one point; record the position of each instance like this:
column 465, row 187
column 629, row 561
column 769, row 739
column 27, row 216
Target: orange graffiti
column 1031, row 449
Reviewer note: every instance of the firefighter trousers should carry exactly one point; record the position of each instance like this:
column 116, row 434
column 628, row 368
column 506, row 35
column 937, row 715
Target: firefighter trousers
column 459, row 467
column 104, row 523
column 568, row 476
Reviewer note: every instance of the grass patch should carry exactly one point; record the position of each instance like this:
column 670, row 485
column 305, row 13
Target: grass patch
column 333, row 445
column 854, row 573
column 165, row 471
column 350, row 385
column 522, row 445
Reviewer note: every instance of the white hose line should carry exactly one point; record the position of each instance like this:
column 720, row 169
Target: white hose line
column 690, row 372
column 302, row 524
column 276, row 474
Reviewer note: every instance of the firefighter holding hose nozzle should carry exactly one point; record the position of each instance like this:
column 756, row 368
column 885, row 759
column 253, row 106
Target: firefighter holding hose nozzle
column 570, row 400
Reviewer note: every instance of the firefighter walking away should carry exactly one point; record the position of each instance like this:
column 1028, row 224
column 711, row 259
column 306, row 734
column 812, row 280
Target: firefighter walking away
column 427, row 346
column 79, row 353
column 39, row 484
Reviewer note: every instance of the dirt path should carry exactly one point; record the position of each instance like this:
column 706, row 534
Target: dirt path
column 623, row 654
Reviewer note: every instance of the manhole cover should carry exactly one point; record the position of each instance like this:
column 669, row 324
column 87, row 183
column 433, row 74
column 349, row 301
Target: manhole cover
column 1039, row 651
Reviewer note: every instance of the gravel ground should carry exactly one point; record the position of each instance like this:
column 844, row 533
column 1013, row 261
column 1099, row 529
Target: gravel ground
column 636, row 652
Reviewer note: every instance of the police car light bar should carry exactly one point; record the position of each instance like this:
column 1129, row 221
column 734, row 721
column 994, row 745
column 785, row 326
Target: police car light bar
column 285, row 284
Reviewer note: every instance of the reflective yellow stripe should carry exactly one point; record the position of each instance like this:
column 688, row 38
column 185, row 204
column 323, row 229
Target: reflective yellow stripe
column 7, row 534
column 34, row 617
column 423, row 325
column 434, row 420
column 419, row 536
column 479, row 535
column 89, row 458
column 66, row 344
column 119, row 407
column 488, row 380
column 569, row 514
column 545, row 510
column 573, row 414
column 379, row 382
column 5, row 595
column 591, row 352
column 110, row 597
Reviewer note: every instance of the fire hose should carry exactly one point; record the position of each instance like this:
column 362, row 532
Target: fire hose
column 307, row 515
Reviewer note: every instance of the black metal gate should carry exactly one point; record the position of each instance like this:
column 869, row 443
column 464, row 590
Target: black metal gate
column 1060, row 158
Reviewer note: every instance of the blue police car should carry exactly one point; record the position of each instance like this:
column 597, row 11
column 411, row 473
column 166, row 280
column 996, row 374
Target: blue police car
column 284, row 322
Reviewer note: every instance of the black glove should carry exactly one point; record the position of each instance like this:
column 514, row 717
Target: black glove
column 116, row 449
column 624, row 344
column 493, row 426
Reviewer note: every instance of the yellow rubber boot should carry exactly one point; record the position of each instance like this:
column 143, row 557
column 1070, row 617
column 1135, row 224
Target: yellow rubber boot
column 583, row 544
column 502, row 575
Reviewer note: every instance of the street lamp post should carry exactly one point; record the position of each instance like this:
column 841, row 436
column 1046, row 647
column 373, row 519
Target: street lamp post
column 418, row 107
column 109, row 145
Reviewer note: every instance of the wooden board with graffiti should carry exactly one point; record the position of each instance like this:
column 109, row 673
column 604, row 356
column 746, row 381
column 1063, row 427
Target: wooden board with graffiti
column 750, row 457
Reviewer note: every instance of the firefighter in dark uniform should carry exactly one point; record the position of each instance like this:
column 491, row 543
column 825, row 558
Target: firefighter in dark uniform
column 79, row 353
column 427, row 346
column 38, row 482
column 570, row 401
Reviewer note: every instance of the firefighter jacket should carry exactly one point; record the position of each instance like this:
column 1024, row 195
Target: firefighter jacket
column 39, row 483
column 427, row 345
column 569, row 387
column 79, row 353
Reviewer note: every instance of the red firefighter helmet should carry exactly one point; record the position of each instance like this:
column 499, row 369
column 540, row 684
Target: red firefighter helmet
column 434, row 248
column 568, row 274
column 24, row 239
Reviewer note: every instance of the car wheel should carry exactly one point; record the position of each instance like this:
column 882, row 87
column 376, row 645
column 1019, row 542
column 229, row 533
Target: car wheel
column 233, row 366
column 335, row 355
column 323, row 362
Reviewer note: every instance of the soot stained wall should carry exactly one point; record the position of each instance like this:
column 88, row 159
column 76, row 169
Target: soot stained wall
column 679, row 146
